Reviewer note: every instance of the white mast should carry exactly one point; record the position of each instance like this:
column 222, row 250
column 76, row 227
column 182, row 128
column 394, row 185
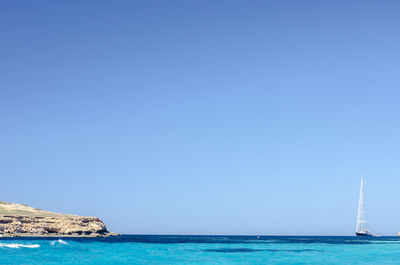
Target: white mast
column 360, row 217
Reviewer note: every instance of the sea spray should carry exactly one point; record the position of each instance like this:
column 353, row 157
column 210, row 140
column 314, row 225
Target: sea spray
column 19, row 245
column 59, row 242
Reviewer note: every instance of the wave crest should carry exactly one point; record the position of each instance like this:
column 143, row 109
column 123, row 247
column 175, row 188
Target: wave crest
column 19, row 245
column 60, row 241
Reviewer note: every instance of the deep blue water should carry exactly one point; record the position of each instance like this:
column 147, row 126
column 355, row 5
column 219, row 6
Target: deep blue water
column 146, row 249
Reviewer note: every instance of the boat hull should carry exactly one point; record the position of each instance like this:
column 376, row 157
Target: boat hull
column 363, row 234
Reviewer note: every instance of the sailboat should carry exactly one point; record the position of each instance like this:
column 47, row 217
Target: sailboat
column 361, row 228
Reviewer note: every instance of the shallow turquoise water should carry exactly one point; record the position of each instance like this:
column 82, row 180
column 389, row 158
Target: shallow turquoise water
column 202, row 250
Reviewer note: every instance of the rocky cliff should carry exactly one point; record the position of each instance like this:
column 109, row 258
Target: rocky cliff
column 22, row 220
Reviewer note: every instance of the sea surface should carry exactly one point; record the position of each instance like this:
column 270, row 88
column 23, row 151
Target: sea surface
column 140, row 249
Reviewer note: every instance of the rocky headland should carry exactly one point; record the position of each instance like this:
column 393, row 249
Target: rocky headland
column 23, row 220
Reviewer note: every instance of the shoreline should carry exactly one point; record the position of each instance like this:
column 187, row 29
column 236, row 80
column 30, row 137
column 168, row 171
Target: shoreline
column 19, row 235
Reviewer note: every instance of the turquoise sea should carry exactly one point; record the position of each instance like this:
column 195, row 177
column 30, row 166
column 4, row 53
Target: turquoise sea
column 134, row 249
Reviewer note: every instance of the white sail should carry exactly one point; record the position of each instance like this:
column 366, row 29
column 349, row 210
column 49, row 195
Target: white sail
column 361, row 228
column 360, row 217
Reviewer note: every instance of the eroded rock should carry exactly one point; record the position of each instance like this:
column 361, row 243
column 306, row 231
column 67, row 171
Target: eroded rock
column 22, row 220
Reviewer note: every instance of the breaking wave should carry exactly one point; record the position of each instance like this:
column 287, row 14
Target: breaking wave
column 60, row 242
column 19, row 245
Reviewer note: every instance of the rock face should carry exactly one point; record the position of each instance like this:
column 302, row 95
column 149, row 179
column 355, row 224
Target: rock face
column 22, row 220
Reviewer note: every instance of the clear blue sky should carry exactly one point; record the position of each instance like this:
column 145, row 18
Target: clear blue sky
column 203, row 117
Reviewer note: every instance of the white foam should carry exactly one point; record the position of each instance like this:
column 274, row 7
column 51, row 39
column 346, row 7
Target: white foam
column 60, row 241
column 19, row 245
